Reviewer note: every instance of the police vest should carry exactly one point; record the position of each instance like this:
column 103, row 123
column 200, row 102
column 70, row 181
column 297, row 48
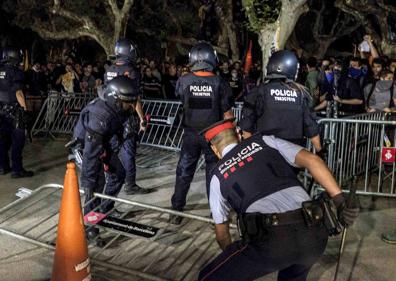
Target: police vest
column 11, row 79
column 281, row 111
column 99, row 119
column 252, row 170
column 122, row 70
column 201, row 100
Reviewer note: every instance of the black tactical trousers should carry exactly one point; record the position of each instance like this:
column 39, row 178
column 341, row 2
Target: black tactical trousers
column 289, row 249
column 108, row 182
column 192, row 147
column 11, row 139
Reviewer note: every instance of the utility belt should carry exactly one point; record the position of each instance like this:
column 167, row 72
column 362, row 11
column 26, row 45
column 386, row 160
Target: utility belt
column 8, row 109
column 254, row 227
column 16, row 112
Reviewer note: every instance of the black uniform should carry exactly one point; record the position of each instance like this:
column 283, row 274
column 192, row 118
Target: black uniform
column 205, row 99
column 127, row 151
column 12, row 131
column 255, row 178
column 279, row 108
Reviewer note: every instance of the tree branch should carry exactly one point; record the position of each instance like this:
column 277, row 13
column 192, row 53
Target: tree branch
column 86, row 22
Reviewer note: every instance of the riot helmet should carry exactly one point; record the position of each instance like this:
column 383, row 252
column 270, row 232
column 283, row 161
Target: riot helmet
column 123, row 89
column 203, row 57
column 11, row 55
column 125, row 49
column 282, row 64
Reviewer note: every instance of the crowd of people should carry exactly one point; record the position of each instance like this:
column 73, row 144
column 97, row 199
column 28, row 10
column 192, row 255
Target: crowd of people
column 357, row 84
column 157, row 80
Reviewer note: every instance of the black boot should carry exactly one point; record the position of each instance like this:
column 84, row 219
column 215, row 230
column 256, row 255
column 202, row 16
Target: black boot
column 22, row 174
column 93, row 237
column 134, row 189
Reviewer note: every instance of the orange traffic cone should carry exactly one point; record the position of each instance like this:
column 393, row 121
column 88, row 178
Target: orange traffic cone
column 71, row 261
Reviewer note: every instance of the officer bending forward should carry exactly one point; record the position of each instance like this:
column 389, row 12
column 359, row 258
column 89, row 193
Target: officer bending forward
column 255, row 178
column 100, row 130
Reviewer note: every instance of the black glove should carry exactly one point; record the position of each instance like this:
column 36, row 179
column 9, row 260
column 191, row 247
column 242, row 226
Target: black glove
column 346, row 214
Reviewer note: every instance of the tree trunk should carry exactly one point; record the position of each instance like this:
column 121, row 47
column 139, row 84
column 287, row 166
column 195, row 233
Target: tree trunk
column 228, row 34
column 388, row 48
column 274, row 35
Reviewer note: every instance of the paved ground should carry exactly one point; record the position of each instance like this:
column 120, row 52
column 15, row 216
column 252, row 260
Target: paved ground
column 366, row 256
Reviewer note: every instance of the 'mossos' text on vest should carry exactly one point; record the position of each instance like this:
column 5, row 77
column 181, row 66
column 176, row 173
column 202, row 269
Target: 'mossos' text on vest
column 284, row 95
column 201, row 91
column 240, row 156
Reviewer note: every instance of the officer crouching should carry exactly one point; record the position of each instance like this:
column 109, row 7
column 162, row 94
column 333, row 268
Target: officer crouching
column 256, row 179
column 99, row 132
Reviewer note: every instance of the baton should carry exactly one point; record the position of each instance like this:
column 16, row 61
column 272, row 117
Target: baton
column 350, row 200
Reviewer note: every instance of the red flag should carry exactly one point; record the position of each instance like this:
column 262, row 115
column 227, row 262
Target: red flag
column 248, row 59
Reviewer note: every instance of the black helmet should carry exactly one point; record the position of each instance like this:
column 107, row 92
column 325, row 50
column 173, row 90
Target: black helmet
column 125, row 49
column 11, row 54
column 282, row 64
column 122, row 88
column 203, row 56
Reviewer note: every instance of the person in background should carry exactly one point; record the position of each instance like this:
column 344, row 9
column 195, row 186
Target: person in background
column 69, row 80
column 169, row 82
column 311, row 81
column 151, row 86
column 381, row 96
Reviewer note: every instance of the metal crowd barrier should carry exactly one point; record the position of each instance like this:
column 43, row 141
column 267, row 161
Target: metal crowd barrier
column 60, row 113
column 164, row 129
column 175, row 252
column 354, row 152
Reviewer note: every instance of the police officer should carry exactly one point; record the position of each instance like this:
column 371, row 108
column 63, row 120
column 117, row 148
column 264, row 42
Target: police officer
column 255, row 178
column 206, row 98
column 280, row 106
column 12, row 114
column 126, row 55
column 100, row 131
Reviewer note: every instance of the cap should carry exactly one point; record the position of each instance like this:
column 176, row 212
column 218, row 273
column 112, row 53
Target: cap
column 216, row 128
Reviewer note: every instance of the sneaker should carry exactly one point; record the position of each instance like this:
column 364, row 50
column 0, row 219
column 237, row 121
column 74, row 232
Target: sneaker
column 135, row 189
column 389, row 238
column 22, row 174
